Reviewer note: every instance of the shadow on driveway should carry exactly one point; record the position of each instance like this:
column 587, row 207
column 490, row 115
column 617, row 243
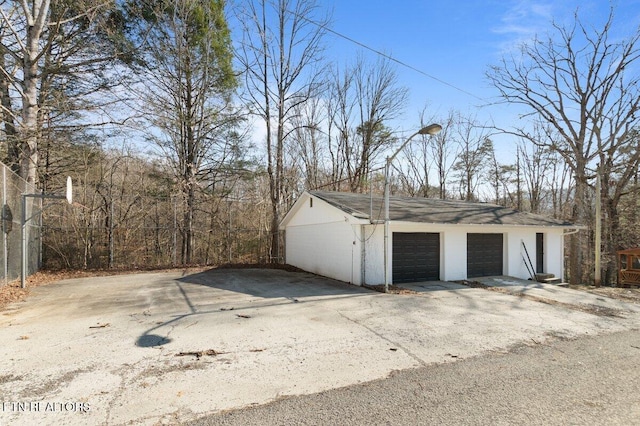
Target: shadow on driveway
column 272, row 283
column 268, row 284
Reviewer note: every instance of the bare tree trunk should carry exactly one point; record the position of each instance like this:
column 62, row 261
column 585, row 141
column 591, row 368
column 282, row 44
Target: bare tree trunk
column 578, row 273
column 577, row 85
column 11, row 134
column 187, row 226
column 30, row 129
column 277, row 55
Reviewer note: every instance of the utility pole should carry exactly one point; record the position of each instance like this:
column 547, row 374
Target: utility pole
column 598, row 230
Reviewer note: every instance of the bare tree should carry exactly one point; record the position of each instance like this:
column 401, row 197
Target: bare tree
column 577, row 82
column 362, row 99
column 499, row 177
column 50, row 52
column 536, row 162
column 619, row 168
column 416, row 173
column 474, row 149
column 281, row 53
column 380, row 99
column 559, row 182
column 340, row 104
column 442, row 150
column 308, row 150
column 187, row 89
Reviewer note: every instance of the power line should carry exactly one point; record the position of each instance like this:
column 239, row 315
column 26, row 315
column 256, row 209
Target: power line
column 389, row 57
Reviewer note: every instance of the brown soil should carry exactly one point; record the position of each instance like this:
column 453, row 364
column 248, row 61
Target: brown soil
column 393, row 289
column 629, row 295
column 624, row 294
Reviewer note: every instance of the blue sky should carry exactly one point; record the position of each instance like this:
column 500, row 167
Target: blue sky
column 452, row 44
column 455, row 42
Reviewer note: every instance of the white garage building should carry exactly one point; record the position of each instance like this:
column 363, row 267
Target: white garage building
column 341, row 235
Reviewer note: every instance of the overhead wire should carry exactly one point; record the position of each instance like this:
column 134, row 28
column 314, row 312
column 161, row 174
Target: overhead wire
column 385, row 55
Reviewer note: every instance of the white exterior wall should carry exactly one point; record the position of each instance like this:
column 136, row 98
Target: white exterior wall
column 554, row 252
column 515, row 254
column 374, row 254
column 324, row 240
column 453, row 249
column 321, row 239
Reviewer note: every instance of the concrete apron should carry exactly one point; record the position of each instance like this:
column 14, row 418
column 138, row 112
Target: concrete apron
column 164, row 348
column 555, row 293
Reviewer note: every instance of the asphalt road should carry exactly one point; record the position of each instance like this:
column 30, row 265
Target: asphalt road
column 585, row 381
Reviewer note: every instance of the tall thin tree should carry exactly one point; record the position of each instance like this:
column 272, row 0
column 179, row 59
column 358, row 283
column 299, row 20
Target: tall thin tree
column 281, row 53
column 187, row 89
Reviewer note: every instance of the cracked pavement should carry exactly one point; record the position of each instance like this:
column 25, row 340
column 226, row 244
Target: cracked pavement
column 163, row 348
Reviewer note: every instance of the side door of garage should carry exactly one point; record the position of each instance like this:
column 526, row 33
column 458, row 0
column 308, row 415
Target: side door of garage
column 416, row 257
column 485, row 255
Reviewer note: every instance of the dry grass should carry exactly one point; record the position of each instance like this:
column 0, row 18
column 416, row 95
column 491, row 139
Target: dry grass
column 625, row 294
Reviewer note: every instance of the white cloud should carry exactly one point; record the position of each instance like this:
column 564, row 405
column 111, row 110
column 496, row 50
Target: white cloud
column 522, row 21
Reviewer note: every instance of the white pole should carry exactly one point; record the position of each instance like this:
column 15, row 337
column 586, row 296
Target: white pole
column 386, row 226
column 23, row 242
column 5, row 239
column 598, row 230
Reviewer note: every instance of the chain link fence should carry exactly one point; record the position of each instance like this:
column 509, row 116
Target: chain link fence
column 148, row 231
column 12, row 189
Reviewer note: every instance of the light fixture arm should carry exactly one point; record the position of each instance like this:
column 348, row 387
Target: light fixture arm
column 431, row 129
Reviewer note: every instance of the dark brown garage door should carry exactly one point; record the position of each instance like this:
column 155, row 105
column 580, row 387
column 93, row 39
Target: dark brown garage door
column 416, row 257
column 484, row 255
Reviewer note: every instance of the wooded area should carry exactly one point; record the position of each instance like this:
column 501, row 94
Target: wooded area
column 152, row 111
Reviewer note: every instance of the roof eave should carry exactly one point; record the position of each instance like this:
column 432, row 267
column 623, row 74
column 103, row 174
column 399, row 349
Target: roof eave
column 559, row 226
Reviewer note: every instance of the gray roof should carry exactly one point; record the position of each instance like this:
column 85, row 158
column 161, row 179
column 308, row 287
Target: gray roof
column 430, row 210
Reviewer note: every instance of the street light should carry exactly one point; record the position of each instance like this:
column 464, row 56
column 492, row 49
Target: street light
column 431, row 129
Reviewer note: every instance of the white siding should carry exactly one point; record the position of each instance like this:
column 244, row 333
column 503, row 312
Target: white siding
column 454, row 252
column 554, row 252
column 321, row 239
column 515, row 266
column 553, row 256
column 453, row 249
column 327, row 241
column 374, row 254
column 321, row 212
column 328, row 249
